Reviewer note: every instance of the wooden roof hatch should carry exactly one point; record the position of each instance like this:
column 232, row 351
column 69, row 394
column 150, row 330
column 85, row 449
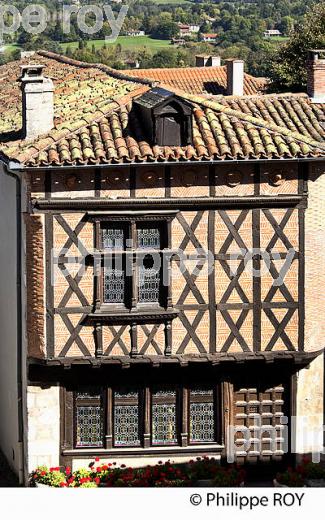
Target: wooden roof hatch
column 166, row 117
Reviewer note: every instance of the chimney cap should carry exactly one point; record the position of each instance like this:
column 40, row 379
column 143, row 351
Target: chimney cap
column 234, row 60
column 314, row 54
column 32, row 73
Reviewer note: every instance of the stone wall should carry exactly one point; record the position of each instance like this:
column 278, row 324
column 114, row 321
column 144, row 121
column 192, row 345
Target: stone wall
column 310, row 392
column 43, row 426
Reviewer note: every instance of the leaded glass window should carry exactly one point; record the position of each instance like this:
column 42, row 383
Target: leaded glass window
column 149, row 282
column 114, row 272
column 164, row 417
column 202, row 416
column 119, row 417
column 149, row 270
column 131, row 262
column 126, row 418
column 113, row 238
column 148, row 238
column 89, row 418
column 114, row 285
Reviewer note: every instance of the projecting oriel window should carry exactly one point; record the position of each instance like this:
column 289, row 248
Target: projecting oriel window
column 132, row 263
column 148, row 239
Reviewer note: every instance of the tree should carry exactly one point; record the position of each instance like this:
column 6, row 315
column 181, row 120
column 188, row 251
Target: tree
column 165, row 30
column 288, row 66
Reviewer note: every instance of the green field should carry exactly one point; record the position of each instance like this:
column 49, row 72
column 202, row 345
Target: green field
column 277, row 39
column 11, row 47
column 174, row 2
column 131, row 43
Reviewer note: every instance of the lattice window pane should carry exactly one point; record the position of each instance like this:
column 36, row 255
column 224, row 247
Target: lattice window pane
column 89, row 421
column 164, row 417
column 201, row 422
column 149, row 284
column 89, row 393
column 126, row 418
column 148, row 238
column 114, row 286
column 113, row 238
column 202, row 426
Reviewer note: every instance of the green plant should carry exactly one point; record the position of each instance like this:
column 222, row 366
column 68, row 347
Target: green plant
column 53, row 477
column 229, row 477
column 203, row 468
column 311, row 470
column 290, row 478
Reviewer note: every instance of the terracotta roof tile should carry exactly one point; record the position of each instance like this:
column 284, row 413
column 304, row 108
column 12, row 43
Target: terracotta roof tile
column 108, row 131
column 198, row 80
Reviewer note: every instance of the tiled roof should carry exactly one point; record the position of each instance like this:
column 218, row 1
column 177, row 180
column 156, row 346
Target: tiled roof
column 80, row 88
column 219, row 132
column 98, row 126
column 199, row 80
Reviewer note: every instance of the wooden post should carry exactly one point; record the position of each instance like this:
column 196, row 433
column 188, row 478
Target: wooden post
column 147, row 428
column 168, row 338
column 134, row 297
column 184, row 431
column 99, row 340
column 109, row 420
column 134, row 342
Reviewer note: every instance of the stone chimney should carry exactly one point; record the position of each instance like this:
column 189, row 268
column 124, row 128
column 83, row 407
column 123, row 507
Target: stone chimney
column 235, row 77
column 316, row 76
column 202, row 60
column 38, row 101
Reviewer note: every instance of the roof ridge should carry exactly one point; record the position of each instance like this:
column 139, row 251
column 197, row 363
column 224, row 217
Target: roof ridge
column 198, row 69
column 100, row 66
column 263, row 123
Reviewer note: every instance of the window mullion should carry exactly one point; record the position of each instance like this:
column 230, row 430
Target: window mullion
column 109, row 419
column 147, row 418
column 98, row 268
column 134, row 297
column 185, row 425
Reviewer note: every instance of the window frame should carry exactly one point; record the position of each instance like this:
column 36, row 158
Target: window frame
column 145, row 424
column 162, row 220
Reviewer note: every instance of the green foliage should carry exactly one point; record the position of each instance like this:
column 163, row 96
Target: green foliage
column 288, row 71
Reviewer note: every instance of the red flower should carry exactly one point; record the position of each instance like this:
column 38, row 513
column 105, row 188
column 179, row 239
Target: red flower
column 97, row 459
column 63, row 484
column 97, row 480
column 67, row 470
column 99, row 469
column 43, row 473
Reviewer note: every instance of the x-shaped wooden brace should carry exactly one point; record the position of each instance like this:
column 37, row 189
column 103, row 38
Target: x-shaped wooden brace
column 279, row 229
column 150, row 339
column 235, row 330
column 74, row 336
column 274, row 288
column 190, row 230
column 73, row 282
column 233, row 235
column 280, row 329
column 191, row 334
column 117, row 340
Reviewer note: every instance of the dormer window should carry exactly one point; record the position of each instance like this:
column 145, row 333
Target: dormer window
column 166, row 118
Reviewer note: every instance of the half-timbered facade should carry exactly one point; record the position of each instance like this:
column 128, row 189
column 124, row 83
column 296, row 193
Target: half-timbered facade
column 172, row 270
